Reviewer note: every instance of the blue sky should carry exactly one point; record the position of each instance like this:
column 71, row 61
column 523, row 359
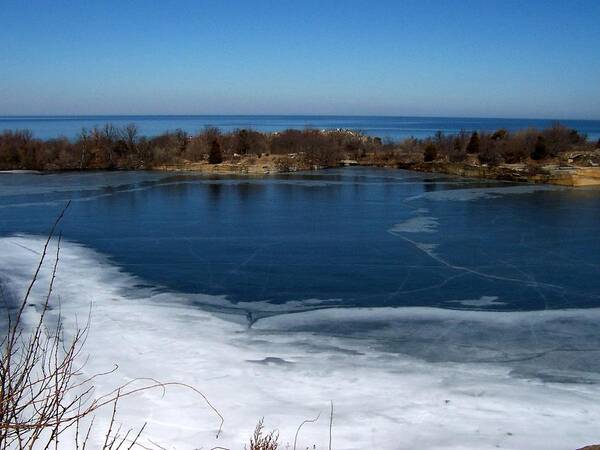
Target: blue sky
column 528, row 58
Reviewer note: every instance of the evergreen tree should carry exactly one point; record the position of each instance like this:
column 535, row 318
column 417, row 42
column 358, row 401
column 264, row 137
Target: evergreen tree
column 215, row 156
column 540, row 151
column 243, row 145
column 430, row 153
column 473, row 145
column 457, row 145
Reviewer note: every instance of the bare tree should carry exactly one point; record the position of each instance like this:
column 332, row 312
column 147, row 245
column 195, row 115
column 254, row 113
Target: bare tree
column 84, row 144
column 43, row 392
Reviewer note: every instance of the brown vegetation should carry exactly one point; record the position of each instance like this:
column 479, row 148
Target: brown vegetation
column 260, row 441
column 503, row 146
column 122, row 148
column 248, row 151
column 43, row 392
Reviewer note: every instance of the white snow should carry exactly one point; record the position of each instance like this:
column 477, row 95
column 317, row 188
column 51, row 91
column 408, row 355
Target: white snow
column 286, row 369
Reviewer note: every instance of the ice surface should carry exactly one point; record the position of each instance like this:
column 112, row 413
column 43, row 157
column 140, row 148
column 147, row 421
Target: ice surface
column 288, row 367
column 468, row 194
column 483, row 301
column 418, row 224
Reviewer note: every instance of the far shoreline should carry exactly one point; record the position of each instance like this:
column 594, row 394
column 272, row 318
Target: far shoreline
column 556, row 155
column 554, row 175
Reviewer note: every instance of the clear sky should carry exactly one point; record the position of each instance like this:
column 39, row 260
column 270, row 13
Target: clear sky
column 528, row 58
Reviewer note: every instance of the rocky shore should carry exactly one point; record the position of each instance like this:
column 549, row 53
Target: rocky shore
column 243, row 165
column 550, row 173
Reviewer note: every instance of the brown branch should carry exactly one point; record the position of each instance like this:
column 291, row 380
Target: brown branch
column 330, row 424
column 300, row 426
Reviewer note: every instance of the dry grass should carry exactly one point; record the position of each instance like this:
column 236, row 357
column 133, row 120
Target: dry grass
column 262, row 441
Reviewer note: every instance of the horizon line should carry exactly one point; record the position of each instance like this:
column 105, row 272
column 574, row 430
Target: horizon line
column 11, row 116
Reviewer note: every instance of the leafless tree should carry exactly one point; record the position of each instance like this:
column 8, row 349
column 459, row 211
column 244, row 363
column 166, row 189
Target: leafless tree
column 43, row 392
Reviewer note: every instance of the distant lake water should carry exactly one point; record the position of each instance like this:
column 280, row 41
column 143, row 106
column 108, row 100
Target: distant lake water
column 385, row 127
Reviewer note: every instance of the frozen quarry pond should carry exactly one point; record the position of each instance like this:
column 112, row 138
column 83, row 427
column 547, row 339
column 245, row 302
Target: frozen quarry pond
column 434, row 312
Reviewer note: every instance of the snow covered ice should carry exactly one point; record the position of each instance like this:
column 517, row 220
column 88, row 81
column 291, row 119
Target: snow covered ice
column 287, row 367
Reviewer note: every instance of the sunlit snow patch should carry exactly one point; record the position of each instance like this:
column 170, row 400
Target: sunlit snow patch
column 383, row 399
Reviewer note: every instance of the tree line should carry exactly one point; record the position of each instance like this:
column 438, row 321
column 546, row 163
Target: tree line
column 503, row 146
column 109, row 147
column 530, row 146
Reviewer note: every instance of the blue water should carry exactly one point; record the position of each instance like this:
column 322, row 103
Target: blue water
column 384, row 127
column 362, row 237
column 318, row 270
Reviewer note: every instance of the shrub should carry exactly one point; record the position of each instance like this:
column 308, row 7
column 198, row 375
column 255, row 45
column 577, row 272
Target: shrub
column 161, row 155
column 559, row 138
column 215, row 156
column 430, row 153
column 457, row 154
column 18, row 150
column 317, row 148
column 500, row 134
column 175, row 142
column 196, row 150
column 264, row 442
column 444, row 143
column 490, row 156
column 473, row 145
column 59, row 153
column 243, row 142
column 199, row 147
column 516, row 149
column 514, row 154
column 540, row 151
